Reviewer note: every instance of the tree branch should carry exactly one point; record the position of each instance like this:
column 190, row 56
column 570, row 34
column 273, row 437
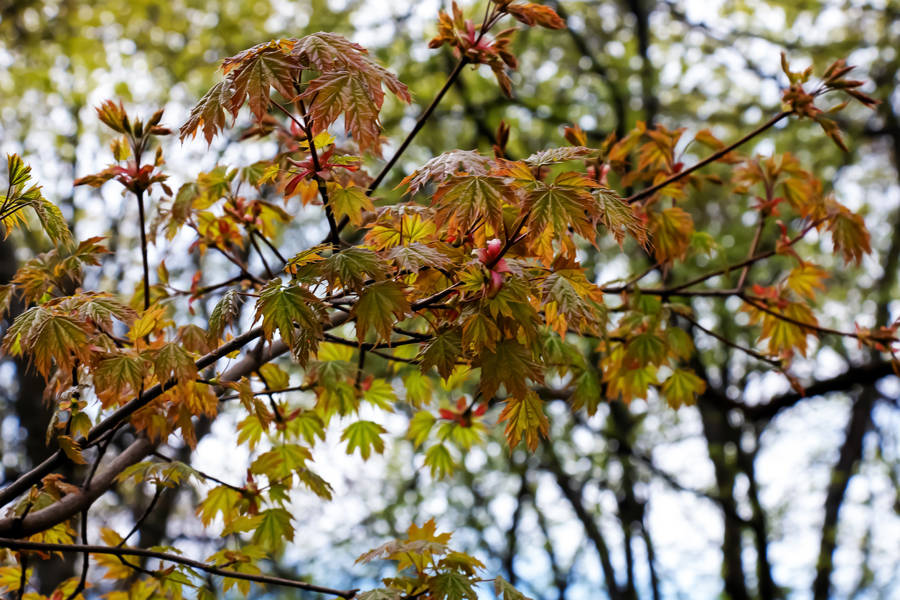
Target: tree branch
column 21, row 545
column 709, row 159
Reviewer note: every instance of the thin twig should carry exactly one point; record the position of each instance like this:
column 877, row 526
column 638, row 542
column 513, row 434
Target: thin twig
column 730, row 344
column 709, row 159
column 16, row 544
column 140, row 202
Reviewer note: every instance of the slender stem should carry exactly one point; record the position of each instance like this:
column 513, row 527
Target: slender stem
column 711, row 158
column 754, row 245
column 236, row 488
column 420, row 123
column 137, row 524
column 261, row 256
column 23, row 576
column 140, row 203
column 16, row 544
column 700, row 279
column 759, row 303
column 730, row 344
column 334, row 230
column 269, row 244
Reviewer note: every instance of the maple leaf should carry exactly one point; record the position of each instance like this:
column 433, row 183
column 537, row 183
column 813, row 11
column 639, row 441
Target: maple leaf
column 439, row 461
column 351, row 267
column 505, row 590
column 848, row 233
column 671, row 230
column 509, row 364
column 224, row 313
column 379, row 307
column 570, row 300
column 119, row 376
column 349, row 202
column 381, row 594
column 220, row 499
column 274, row 529
column 364, row 435
column 805, row 279
column 442, row 352
column 617, row 216
column 209, row 112
column 558, row 155
column 350, row 83
column 254, row 71
column 682, row 387
column 785, row 336
column 524, row 416
column 587, row 392
column 18, row 198
column 643, row 349
column 173, row 361
column 451, row 586
column 420, row 426
column 443, row 166
column 415, row 256
column 47, row 337
column 561, row 205
column 294, row 312
column 464, row 199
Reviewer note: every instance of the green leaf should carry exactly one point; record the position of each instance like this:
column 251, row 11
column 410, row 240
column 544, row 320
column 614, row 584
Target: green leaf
column 645, row 349
column 220, row 499
column 380, row 306
column 505, row 590
column 445, row 165
column 588, row 392
column 351, row 267
column 418, row 389
column 682, row 387
column 464, row 199
column 307, row 425
column 420, row 426
column 381, row 394
column 618, row 217
column 364, row 435
column 509, row 364
column 224, row 313
column 439, row 461
column 442, row 352
column 173, row 361
column 561, row 205
column 451, row 586
column 274, row 529
column 120, row 376
column 316, row 484
column 349, row 202
column 295, row 313
column 525, row 417
column 281, row 461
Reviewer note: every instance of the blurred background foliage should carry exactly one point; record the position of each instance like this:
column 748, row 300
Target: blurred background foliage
column 639, row 500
